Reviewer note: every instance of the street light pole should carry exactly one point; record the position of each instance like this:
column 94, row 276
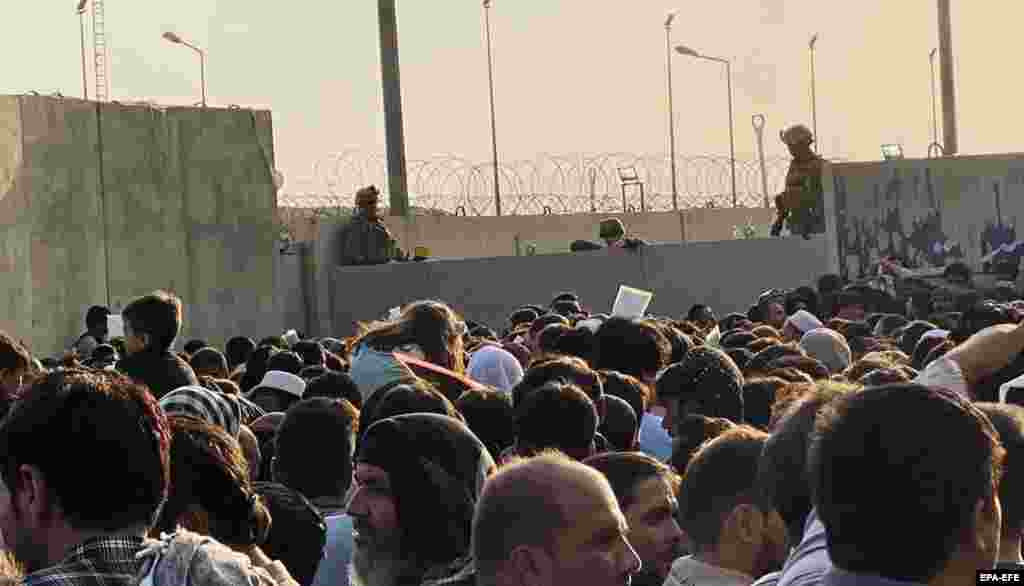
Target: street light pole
column 172, row 37
column 732, row 138
column 950, row 142
column 81, row 25
column 671, row 109
column 494, row 123
column 684, row 50
column 935, row 109
column 814, row 92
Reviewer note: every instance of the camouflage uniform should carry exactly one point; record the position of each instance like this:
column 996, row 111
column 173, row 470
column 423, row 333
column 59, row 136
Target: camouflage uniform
column 802, row 204
column 366, row 241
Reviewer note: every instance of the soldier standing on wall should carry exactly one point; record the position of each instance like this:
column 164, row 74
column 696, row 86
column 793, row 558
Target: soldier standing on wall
column 801, row 205
column 366, row 240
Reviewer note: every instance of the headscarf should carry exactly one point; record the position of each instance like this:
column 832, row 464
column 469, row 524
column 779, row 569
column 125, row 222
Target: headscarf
column 437, row 468
column 201, row 403
column 707, row 378
column 803, row 321
column 495, row 367
column 829, row 347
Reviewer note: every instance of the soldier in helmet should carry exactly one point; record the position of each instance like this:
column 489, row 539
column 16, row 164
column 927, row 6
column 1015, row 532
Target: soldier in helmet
column 366, row 240
column 801, row 205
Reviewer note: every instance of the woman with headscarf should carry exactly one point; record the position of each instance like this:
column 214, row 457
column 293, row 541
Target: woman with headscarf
column 434, row 468
column 495, row 367
column 428, row 330
column 829, row 347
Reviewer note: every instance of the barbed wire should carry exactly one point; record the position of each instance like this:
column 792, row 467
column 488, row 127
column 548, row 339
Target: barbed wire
column 551, row 183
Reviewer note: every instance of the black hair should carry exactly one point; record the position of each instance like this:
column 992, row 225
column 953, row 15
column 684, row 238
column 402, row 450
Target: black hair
column 193, row 346
column 299, row 533
column 308, row 426
column 157, row 315
column 335, row 385
column 286, row 361
column 491, row 417
column 312, row 353
column 631, row 347
column 620, row 425
column 96, row 317
column 559, row 416
column 933, row 455
column 238, row 350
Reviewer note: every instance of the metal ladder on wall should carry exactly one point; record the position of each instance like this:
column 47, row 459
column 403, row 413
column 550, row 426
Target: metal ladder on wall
column 100, row 52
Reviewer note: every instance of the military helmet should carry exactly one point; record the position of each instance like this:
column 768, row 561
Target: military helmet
column 797, row 135
column 611, row 229
column 367, row 196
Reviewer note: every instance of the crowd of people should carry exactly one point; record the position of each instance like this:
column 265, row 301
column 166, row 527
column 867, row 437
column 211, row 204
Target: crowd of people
column 819, row 438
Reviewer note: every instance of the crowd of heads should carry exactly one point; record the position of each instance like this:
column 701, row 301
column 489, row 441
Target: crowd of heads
column 561, row 447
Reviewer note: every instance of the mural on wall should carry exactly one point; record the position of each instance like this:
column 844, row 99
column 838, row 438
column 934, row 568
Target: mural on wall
column 928, row 213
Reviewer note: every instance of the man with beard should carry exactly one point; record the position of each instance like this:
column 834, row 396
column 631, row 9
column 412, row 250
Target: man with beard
column 735, row 533
column 416, row 483
column 646, row 490
column 551, row 521
column 69, row 427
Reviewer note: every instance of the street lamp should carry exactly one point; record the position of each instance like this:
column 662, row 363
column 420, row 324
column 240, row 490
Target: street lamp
column 814, row 90
column 169, row 36
column 671, row 109
column 494, row 123
column 82, row 4
column 683, row 50
column 935, row 109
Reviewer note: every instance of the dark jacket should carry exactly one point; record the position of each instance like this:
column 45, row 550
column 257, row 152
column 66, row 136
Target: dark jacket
column 162, row 372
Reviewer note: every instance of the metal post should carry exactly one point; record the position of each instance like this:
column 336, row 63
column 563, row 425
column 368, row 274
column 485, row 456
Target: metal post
column 392, row 87
column 202, row 73
column 85, row 80
column 950, row 141
column 671, row 116
column 732, row 140
column 759, row 123
column 935, row 109
column 814, row 93
column 494, row 124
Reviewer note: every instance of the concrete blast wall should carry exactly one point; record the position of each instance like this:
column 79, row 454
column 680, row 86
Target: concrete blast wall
column 728, row 275
column 101, row 203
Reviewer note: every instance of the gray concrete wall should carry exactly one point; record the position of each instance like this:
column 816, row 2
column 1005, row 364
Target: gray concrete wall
column 728, row 275
column 101, row 203
column 932, row 211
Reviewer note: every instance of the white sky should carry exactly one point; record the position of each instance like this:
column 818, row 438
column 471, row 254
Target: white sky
column 571, row 75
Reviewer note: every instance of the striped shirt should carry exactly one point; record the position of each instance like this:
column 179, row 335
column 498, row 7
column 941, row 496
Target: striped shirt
column 100, row 561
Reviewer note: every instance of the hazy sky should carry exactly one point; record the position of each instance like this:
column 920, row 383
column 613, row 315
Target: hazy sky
column 571, row 75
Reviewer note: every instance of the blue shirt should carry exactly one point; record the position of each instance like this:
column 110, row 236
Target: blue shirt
column 654, row 440
column 333, row 570
column 809, row 561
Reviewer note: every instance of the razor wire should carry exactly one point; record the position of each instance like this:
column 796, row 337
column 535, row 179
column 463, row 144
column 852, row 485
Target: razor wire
column 548, row 184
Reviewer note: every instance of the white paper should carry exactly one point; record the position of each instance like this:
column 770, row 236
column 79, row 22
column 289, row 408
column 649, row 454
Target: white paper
column 631, row 303
column 292, row 337
column 115, row 326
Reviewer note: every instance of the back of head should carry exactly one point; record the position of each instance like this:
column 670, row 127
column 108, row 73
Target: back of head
column 491, row 417
column 334, row 385
column 911, row 334
column 549, row 336
column 311, row 352
column 557, row 416
column 782, row 473
column 631, row 347
column 237, row 351
column 620, row 424
column 209, row 361
column 299, row 533
column 693, row 431
column 289, row 362
column 158, row 316
column 1008, row 421
column 720, row 476
column 931, row 475
column 758, row 398
column 256, row 367
column 77, row 424
column 210, row 472
column 525, row 504
column 707, row 383
column 579, row 342
column 308, row 426
column 412, row 398
column 96, row 317
column 565, row 368
column 193, row 346
column 627, row 388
